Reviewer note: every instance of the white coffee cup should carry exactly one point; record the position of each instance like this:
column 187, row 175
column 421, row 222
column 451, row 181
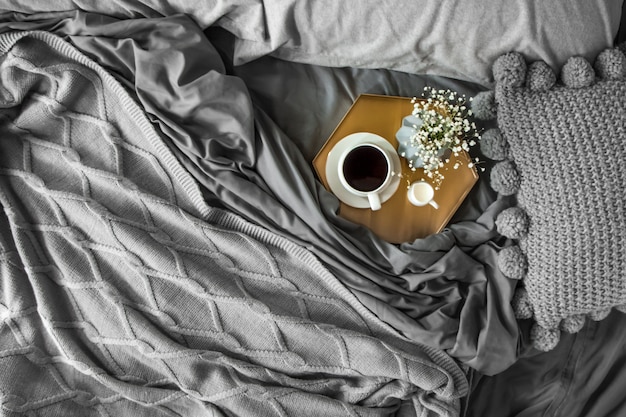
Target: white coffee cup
column 421, row 193
column 365, row 171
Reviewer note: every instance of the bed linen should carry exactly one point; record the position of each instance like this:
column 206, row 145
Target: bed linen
column 272, row 173
column 583, row 376
column 230, row 124
column 455, row 38
column 104, row 245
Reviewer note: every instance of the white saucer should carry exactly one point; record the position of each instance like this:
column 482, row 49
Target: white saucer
column 332, row 176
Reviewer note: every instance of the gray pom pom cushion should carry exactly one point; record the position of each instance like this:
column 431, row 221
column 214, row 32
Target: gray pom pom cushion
column 560, row 149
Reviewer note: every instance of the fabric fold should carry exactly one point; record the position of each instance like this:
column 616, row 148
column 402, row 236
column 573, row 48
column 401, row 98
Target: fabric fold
column 221, row 127
column 124, row 293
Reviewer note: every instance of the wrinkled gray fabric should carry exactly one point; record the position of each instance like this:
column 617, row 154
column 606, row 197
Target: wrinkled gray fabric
column 583, row 376
column 444, row 290
column 124, row 294
column 457, row 38
column 409, row 286
column 178, row 78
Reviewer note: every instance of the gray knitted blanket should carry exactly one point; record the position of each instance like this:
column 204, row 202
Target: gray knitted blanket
column 560, row 143
column 122, row 293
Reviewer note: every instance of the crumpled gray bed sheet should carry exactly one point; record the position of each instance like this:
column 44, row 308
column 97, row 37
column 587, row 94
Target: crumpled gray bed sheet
column 248, row 135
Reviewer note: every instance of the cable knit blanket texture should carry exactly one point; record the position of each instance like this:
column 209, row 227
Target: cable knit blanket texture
column 124, row 294
column 560, row 143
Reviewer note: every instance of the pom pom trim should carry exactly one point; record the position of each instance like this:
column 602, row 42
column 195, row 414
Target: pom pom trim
column 522, row 306
column 540, row 76
column 577, row 73
column 484, row 105
column 512, row 262
column 494, row 145
column 513, row 223
column 544, row 339
column 504, row 178
column 509, row 70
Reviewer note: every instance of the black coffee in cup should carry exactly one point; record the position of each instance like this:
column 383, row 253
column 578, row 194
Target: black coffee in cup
column 365, row 168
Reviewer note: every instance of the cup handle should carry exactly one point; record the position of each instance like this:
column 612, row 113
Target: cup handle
column 374, row 200
column 434, row 204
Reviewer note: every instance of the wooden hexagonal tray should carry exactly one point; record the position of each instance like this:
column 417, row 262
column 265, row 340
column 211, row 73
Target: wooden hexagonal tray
column 398, row 220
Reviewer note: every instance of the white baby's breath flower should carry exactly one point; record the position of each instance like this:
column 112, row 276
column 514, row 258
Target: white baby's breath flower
column 445, row 125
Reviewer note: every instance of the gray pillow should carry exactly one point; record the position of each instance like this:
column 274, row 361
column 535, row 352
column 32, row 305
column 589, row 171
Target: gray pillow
column 561, row 145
